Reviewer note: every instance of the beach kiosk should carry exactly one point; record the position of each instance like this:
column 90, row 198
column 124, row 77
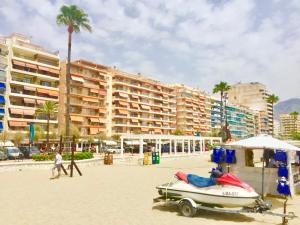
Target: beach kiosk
column 256, row 163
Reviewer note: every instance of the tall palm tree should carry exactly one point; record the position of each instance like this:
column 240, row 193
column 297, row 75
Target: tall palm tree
column 221, row 87
column 272, row 99
column 294, row 115
column 48, row 108
column 75, row 19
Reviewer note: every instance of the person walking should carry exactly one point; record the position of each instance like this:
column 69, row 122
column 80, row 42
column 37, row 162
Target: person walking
column 57, row 165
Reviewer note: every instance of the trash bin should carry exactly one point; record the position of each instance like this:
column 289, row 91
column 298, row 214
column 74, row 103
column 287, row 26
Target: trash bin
column 108, row 158
column 157, row 158
column 147, row 158
column 153, row 158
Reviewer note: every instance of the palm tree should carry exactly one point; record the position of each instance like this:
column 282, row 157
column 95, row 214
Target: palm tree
column 272, row 99
column 294, row 115
column 48, row 108
column 75, row 19
column 221, row 87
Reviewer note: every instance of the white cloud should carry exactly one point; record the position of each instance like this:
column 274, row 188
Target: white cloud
column 196, row 42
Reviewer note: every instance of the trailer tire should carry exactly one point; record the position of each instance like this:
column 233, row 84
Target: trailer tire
column 187, row 209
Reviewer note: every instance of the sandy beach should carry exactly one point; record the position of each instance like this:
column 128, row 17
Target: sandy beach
column 110, row 195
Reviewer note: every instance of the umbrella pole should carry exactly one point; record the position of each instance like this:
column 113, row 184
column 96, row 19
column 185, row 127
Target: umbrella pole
column 263, row 178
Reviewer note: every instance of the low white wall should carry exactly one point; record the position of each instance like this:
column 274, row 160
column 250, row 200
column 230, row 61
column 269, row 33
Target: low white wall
column 47, row 165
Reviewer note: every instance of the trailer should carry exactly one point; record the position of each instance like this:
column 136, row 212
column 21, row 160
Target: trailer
column 189, row 208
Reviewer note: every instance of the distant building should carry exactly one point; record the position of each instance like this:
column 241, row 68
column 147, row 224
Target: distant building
column 29, row 76
column 242, row 121
column 90, row 103
column 193, row 110
column 141, row 104
column 288, row 125
column 254, row 95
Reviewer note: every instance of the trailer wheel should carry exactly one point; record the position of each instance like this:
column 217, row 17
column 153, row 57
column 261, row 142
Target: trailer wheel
column 187, row 209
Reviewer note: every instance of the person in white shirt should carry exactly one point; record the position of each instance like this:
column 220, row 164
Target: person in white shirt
column 57, row 165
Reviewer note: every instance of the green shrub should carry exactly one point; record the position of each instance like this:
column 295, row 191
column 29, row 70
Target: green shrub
column 65, row 156
column 43, row 157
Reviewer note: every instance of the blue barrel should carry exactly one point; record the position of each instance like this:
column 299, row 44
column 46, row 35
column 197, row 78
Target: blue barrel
column 153, row 157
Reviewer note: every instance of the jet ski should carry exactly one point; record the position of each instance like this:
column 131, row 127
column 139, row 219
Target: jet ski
column 225, row 191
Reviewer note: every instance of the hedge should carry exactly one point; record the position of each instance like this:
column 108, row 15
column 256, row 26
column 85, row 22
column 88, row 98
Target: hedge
column 65, row 156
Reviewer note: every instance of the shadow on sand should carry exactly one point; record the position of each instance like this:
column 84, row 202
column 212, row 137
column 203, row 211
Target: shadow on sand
column 207, row 214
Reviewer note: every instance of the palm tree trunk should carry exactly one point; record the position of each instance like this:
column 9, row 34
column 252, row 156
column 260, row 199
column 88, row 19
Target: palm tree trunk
column 272, row 119
column 221, row 110
column 68, row 86
column 48, row 129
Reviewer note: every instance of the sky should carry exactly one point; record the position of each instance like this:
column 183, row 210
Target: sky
column 194, row 42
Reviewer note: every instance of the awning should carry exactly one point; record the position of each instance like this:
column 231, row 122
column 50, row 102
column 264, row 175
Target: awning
column 79, row 79
column 2, row 99
column 29, row 88
column 101, row 129
column 86, row 99
column 77, row 118
column 165, row 95
column 135, row 105
column 134, row 142
column 157, row 131
column 123, row 103
column 165, row 124
column 123, row 95
column 17, row 123
column 101, row 120
column 40, row 102
column 108, row 142
column 102, row 110
column 102, row 92
column 18, row 63
column 135, row 96
column 29, row 112
column 16, row 111
column 144, row 129
column 94, row 120
column 29, row 100
column 165, row 109
column 53, row 93
column 157, row 123
column 44, row 68
column 145, row 107
column 102, row 82
column 94, row 130
column 32, row 66
column 43, row 91
column 94, row 90
column 54, row 71
column 2, row 86
column 122, row 111
column 156, row 107
column 134, row 120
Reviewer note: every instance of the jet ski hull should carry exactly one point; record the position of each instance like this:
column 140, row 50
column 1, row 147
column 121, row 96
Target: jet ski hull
column 222, row 195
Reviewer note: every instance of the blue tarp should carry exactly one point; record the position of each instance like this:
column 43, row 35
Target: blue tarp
column 200, row 181
column 2, row 111
column 1, row 126
column 2, row 99
column 2, row 86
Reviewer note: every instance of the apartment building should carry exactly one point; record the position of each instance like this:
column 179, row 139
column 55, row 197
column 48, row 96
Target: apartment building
column 254, row 95
column 3, row 66
column 193, row 110
column 141, row 104
column 90, row 97
column 32, row 77
column 242, row 121
column 288, row 125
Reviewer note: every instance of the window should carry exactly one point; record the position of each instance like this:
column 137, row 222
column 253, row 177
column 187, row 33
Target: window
column 45, row 83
